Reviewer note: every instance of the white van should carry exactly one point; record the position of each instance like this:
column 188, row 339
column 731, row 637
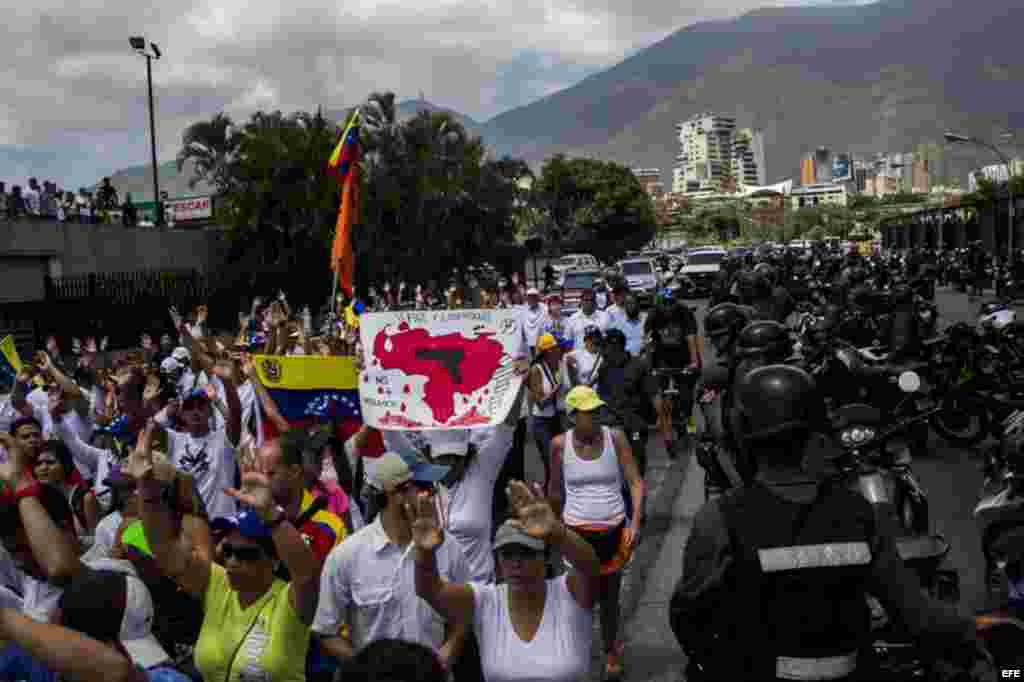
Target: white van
column 574, row 261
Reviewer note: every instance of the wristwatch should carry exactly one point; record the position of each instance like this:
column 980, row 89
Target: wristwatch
column 31, row 490
column 277, row 517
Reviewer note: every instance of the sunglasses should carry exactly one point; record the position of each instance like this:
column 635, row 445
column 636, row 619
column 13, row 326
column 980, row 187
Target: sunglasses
column 421, row 486
column 518, row 552
column 241, row 552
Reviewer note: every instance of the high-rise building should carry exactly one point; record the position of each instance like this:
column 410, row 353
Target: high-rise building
column 823, row 165
column 748, row 158
column 715, row 156
column 808, row 173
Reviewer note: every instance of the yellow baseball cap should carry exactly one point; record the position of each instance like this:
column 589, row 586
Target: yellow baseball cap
column 546, row 342
column 584, row 399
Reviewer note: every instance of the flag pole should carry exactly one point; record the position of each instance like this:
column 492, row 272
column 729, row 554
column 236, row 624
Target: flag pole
column 334, row 316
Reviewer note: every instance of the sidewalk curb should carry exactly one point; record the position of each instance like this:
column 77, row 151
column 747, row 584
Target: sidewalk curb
column 659, row 522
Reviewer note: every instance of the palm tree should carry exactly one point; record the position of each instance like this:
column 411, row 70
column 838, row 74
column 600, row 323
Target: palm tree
column 211, row 146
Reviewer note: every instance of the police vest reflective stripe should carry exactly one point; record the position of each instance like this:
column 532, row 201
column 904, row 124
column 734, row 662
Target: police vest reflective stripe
column 828, row 555
column 830, row 668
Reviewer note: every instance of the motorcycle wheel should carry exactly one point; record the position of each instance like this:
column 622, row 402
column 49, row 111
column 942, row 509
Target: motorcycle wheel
column 959, row 424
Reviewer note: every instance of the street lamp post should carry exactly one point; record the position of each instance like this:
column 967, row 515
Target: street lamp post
column 139, row 45
column 953, row 137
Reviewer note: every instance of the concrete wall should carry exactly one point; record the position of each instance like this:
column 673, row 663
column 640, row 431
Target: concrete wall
column 31, row 249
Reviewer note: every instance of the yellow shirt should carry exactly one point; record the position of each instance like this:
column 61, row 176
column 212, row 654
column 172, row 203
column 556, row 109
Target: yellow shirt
column 270, row 639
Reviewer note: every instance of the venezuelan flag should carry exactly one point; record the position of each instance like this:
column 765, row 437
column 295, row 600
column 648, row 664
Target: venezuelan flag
column 10, row 363
column 311, row 387
column 344, row 165
column 346, row 153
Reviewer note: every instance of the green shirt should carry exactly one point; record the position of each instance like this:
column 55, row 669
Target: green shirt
column 266, row 642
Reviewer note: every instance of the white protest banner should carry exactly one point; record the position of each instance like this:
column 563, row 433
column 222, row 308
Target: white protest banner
column 438, row 369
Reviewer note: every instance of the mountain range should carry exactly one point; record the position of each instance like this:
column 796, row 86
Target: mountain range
column 861, row 78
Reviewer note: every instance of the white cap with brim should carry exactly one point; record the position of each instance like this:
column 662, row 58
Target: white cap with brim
column 137, row 626
column 510, row 533
column 181, row 354
column 392, row 470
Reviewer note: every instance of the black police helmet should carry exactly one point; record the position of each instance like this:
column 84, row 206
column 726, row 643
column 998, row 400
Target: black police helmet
column 774, row 400
column 765, row 337
column 615, row 337
column 725, row 319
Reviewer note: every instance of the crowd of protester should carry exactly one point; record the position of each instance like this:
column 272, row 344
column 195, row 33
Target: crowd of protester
column 101, row 205
column 162, row 520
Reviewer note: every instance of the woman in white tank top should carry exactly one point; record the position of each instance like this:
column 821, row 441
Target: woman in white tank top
column 588, row 465
column 530, row 628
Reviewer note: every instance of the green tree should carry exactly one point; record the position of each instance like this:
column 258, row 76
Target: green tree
column 598, row 204
column 211, row 146
column 282, row 194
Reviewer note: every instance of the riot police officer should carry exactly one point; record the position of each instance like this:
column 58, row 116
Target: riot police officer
column 776, row 574
column 762, row 342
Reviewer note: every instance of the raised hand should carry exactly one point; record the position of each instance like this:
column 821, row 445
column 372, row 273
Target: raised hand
column 422, row 516
column 248, row 368
column 104, row 342
column 147, row 342
column 13, row 470
column 76, row 346
column 43, row 360
column 202, row 312
column 140, row 461
column 90, row 345
column 255, row 493
column 536, row 517
column 51, row 345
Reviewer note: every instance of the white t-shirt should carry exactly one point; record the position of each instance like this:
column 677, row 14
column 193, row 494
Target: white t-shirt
column 38, row 597
column 466, row 508
column 560, row 649
column 585, row 364
column 212, row 462
column 578, row 324
column 533, row 322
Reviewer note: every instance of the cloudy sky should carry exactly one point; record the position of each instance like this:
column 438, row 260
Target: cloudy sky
column 75, row 94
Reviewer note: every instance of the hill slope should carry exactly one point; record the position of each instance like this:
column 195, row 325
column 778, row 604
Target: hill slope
column 880, row 77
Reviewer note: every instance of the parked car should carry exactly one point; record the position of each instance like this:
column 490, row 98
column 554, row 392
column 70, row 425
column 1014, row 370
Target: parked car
column 696, row 278
column 574, row 282
column 643, row 278
column 574, row 261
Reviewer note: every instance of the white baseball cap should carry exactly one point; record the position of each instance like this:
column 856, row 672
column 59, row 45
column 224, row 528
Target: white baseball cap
column 169, row 365
column 93, row 595
column 181, row 354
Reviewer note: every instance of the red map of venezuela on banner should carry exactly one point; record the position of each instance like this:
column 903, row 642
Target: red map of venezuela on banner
column 439, row 369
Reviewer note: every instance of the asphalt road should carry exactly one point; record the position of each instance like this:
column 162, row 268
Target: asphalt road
column 951, row 477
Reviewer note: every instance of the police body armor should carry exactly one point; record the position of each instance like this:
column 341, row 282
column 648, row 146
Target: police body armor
column 798, row 585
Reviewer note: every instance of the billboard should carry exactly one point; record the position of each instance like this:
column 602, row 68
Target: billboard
column 193, row 208
column 842, row 168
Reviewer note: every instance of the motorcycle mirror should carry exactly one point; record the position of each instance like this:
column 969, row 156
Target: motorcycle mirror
column 909, row 382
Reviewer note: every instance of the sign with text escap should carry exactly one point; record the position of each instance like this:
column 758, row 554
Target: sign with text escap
column 438, row 369
column 194, row 208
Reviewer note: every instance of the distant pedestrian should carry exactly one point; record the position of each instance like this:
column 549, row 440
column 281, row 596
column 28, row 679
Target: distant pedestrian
column 129, row 214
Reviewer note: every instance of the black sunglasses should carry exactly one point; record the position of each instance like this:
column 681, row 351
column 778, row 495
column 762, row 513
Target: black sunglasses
column 241, row 552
